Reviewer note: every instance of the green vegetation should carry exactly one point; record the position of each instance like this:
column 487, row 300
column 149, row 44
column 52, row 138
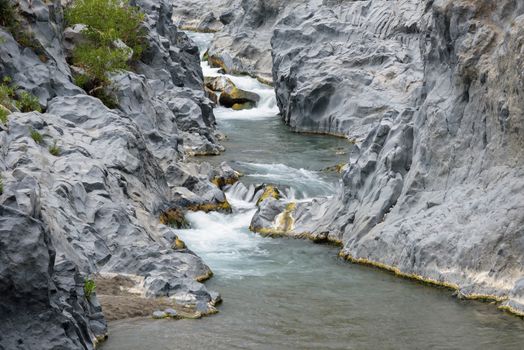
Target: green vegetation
column 36, row 136
column 25, row 101
column 54, row 149
column 89, row 287
column 1, row 185
column 4, row 113
column 28, row 102
column 7, row 93
column 7, row 14
column 107, row 21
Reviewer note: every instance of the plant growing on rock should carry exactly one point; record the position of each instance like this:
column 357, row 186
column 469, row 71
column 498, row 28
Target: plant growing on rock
column 1, row 185
column 28, row 102
column 89, row 288
column 36, row 136
column 109, row 24
column 7, row 93
column 4, row 113
column 54, row 149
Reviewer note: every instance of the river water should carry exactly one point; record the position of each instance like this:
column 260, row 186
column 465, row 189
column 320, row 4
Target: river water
column 293, row 294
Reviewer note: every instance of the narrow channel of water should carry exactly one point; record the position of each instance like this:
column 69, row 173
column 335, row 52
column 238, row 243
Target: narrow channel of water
column 293, row 294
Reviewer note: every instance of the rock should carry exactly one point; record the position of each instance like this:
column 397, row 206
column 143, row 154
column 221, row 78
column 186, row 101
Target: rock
column 212, row 96
column 201, row 17
column 39, row 296
column 160, row 314
column 265, row 192
column 238, row 99
column 120, row 45
column 219, row 83
column 74, row 36
column 426, row 172
column 96, row 208
column 224, row 176
column 171, row 312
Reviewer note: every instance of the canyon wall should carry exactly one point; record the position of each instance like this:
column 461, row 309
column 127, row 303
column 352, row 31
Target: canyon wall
column 86, row 197
column 430, row 93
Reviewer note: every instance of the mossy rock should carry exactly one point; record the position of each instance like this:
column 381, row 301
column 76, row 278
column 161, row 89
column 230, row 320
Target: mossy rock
column 211, row 95
column 219, row 84
column 222, row 181
column 236, row 97
column 223, row 207
column 174, row 217
column 178, row 244
column 241, row 106
column 216, row 62
column 270, row 191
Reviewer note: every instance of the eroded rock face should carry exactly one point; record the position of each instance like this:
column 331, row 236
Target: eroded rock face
column 431, row 91
column 208, row 16
column 43, row 305
column 95, row 206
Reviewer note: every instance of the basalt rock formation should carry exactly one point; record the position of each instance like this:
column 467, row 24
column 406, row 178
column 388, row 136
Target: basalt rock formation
column 86, row 197
column 430, row 92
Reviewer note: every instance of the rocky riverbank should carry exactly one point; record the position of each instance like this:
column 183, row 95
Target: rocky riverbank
column 429, row 90
column 87, row 191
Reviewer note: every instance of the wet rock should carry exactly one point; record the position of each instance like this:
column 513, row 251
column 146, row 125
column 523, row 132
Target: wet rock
column 171, row 312
column 219, row 83
column 266, row 192
column 238, row 99
column 160, row 314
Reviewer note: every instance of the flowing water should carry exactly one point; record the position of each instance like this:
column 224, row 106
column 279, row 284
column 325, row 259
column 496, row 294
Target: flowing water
column 293, row 294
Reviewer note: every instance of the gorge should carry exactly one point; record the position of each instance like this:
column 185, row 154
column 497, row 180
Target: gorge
column 390, row 131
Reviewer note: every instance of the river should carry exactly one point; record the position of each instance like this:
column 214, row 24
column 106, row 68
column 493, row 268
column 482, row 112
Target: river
column 293, row 294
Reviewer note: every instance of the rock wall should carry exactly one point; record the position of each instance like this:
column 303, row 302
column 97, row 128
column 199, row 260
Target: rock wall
column 95, row 207
column 430, row 92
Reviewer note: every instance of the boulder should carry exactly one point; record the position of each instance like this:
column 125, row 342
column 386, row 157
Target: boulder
column 236, row 98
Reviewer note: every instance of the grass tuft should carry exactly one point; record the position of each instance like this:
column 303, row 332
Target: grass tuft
column 36, row 136
column 54, row 149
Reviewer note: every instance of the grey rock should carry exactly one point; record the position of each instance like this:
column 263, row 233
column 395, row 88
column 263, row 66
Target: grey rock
column 171, row 312
column 42, row 303
column 74, row 36
column 429, row 90
column 160, row 314
column 209, row 16
column 95, row 208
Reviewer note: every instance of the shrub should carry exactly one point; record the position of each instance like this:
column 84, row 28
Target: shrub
column 36, row 136
column 28, row 102
column 89, row 287
column 106, row 22
column 98, row 61
column 54, row 149
column 109, row 20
